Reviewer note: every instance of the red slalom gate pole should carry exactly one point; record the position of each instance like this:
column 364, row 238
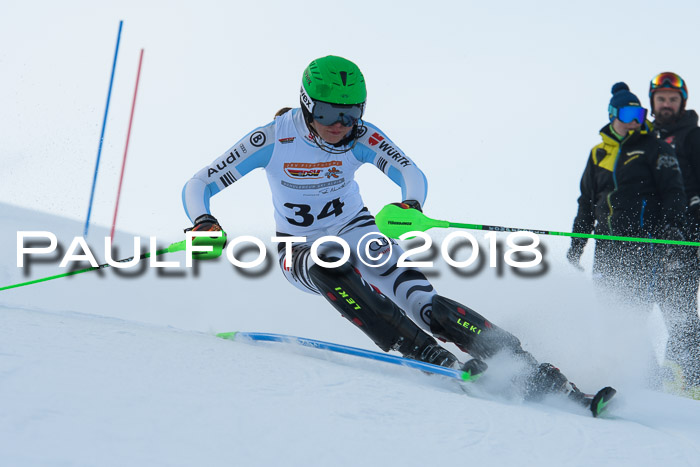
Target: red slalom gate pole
column 126, row 147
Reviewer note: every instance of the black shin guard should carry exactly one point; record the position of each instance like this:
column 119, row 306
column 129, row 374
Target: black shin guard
column 471, row 332
column 376, row 315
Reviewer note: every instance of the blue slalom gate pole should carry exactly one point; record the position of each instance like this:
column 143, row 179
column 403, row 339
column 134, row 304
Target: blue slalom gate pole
column 102, row 134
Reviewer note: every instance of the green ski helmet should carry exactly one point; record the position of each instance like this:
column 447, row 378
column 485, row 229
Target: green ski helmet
column 333, row 89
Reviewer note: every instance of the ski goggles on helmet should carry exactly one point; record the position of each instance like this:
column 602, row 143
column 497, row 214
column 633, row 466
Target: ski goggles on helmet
column 328, row 114
column 668, row 80
column 629, row 114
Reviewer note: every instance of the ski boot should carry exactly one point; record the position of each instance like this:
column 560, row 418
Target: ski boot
column 437, row 355
column 426, row 349
column 547, row 379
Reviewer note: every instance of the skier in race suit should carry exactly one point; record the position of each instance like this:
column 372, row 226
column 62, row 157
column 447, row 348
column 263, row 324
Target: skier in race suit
column 310, row 155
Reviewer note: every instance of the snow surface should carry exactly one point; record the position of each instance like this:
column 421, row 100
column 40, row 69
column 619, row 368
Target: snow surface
column 98, row 369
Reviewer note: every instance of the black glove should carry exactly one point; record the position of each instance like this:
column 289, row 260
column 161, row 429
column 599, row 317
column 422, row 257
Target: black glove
column 205, row 223
column 410, row 204
column 208, row 223
column 574, row 258
column 575, row 252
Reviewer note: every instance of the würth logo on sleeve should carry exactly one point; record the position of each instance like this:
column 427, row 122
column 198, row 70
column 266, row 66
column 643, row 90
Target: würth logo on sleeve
column 375, row 139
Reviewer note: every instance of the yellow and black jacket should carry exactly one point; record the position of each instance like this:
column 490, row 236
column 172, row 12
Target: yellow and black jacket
column 632, row 187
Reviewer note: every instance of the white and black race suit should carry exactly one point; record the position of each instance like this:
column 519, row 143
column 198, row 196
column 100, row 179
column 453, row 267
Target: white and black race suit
column 315, row 194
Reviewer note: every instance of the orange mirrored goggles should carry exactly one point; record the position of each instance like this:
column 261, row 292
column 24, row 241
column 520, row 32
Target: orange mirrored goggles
column 668, row 80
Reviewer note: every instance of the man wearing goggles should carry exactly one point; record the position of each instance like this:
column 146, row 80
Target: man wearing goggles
column 678, row 296
column 668, row 94
column 310, row 155
column 632, row 187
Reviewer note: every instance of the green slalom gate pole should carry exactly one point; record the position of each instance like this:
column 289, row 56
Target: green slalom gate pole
column 177, row 246
column 394, row 221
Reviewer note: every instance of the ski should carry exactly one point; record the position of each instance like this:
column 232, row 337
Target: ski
column 599, row 402
column 468, row 375
column 596, row 403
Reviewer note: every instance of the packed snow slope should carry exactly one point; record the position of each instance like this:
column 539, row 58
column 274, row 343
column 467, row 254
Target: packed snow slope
column 103, row 369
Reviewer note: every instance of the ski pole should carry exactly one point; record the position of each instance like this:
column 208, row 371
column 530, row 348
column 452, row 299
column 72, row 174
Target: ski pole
column 177, row 246
column 394, row 221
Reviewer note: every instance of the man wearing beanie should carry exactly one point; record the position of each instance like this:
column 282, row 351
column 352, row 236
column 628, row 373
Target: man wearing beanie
column 678, row 291
column 631, row 186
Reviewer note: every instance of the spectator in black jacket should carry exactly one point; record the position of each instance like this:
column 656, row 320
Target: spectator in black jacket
column 632, row 186
column 678, row 290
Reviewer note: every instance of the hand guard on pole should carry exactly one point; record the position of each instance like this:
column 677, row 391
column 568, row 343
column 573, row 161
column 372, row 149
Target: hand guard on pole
column 208, row 223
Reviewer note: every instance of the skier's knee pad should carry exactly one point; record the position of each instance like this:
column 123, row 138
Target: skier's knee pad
column 375, row 314
column 469, row 330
